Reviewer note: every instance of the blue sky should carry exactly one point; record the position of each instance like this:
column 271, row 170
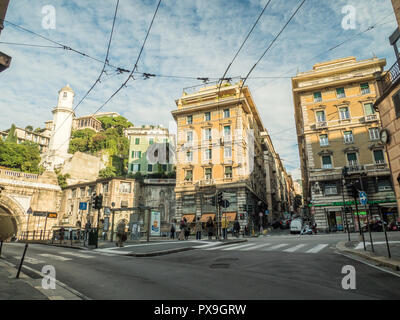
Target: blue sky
column 196, row 38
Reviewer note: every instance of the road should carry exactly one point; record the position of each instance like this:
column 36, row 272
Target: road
column 276, row 267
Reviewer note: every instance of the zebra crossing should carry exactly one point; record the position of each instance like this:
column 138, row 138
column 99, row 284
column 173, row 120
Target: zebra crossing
column 267, row 247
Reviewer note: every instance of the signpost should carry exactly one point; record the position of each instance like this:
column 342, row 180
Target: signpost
column 364, row 202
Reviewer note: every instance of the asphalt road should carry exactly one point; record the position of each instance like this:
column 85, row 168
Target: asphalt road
column 276, row 267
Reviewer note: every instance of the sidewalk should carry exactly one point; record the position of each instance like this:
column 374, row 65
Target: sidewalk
column 380, row 254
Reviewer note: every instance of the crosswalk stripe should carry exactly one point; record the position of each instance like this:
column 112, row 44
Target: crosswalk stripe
column 276, row 247
column 293, row 249
column 76, row 254
column 30, row 260
column 256, row 247
column 317, row 248
column 238, row 247
column 210, row 245
column 52, row 256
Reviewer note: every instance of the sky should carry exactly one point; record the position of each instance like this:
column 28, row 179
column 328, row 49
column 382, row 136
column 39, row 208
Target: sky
column 189, row 39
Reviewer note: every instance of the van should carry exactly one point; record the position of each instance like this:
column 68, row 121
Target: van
column 296, row 226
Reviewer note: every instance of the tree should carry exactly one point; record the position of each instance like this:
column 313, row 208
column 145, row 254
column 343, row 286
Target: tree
column 62, row 180
column 108, row 172
column 29, row 128
column 12, row 136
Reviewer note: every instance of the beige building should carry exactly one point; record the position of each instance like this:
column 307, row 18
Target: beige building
column 42, row 139
column 220, row 149
column 339, row 140
column 388, row 105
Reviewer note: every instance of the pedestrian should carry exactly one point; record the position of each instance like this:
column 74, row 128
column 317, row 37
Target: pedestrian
column 210, row 228
column 224, row 225
column 121, row 234
column 182, row 228
column 199, row 229
column 236, row 228
column 186, row 229
column 173, row 230
column 246, row 230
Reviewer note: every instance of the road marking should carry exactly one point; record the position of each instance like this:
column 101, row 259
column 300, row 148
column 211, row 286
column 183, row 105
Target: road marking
column 238, row 247
column 76, row 254
column 207, row 245
column 276, row 247
column 293, row 249
column 30, row 260
column 317, row 248
column 52, row 256
column 361, row 246
column 256, row 247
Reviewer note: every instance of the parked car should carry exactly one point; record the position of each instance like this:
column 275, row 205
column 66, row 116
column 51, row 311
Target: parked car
column 296, row 226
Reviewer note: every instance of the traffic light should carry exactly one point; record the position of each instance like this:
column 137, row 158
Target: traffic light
column 220, row 198
column 213, row 203
column 93, row 200
column 353, row 189
column 98, row 202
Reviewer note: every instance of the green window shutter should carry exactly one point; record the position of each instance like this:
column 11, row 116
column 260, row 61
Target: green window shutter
column 351, row 157
column 133, row 154
column 396, row 102
column 137, row 141
column 140, row 154
column 364, row 86
column 378, row 155
column 369, row 109
column 317, row 96
column 326, row 160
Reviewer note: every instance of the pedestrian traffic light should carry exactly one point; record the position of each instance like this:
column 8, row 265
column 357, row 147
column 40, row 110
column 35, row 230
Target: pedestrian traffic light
column 93, row 200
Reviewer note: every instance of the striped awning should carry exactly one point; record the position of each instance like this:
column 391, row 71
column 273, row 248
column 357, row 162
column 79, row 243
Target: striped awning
column 204, row 217
column 189, row 217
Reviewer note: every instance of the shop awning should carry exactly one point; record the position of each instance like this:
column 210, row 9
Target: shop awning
column 388, row 205
column 204, row 217
column 189, row 217
column 230, row 216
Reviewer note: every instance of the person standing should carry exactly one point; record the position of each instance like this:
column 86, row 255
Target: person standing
column 121, row 235
column 187, row 229
column 236, row 228
column 182, row 228
column 173, row 230
column 199, row 229
column 224, row 225
column 210, row 228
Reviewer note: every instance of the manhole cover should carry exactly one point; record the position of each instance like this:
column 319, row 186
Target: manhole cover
column 219, row 266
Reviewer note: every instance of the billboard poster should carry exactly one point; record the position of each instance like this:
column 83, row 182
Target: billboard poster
column 155, row 224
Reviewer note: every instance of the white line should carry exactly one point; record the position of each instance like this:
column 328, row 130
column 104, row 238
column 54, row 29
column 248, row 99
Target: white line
column 238, row 247
column 52, row 256
column 256, row 247
column 293, row 249
column 317, row 248
column 276, row 247
column 207, row 245
column 30, row 260
column 76, row 254
column 361, row 245
column 144, row 244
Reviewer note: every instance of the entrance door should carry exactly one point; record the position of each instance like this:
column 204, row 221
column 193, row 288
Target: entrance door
column 332, row 221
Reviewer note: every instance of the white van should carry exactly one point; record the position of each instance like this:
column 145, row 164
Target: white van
column 296, row 226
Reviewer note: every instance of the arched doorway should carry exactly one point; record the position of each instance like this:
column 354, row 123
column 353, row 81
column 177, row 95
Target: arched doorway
column 10, row 217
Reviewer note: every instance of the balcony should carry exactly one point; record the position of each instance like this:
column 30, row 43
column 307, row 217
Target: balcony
column 371, row 118
column 355, row 168
column 391, row 77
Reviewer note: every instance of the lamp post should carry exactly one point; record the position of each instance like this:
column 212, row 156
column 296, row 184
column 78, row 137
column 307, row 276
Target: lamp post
column 344, row 172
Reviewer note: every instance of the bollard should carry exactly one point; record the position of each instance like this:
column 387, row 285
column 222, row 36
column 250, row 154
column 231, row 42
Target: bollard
column 22, row 261
column 1, row 247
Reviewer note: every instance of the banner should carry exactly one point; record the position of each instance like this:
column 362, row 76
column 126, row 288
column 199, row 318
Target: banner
column 155, row 224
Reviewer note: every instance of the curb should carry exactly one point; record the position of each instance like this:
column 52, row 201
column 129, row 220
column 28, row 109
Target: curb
column 57, row 245
column 382, row 261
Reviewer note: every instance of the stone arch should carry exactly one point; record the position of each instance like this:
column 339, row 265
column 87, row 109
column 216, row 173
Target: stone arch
column 11, row 212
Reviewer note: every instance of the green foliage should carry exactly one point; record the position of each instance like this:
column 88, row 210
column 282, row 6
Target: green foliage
column 21, row 157
column 108, row 172
column 12, row 136
column 29, row 128
column 39, row 130
column 62, row 180
column 119, row 123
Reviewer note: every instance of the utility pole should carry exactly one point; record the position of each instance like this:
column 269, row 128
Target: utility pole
column 344, row 171
column 367, row 211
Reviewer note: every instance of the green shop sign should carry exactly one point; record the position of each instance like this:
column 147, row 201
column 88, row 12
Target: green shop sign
column 350, row 203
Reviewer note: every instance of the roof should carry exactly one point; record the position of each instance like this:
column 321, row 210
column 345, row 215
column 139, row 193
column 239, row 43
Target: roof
column 67, row 88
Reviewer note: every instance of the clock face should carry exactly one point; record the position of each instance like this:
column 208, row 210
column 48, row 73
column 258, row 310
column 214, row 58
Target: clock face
column 384, row 136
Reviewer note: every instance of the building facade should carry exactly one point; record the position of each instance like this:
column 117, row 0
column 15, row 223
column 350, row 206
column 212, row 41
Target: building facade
column 339, row 140
column 41, row 139
column 150, row 150
column 388, row 105
column 5, row 60
column 220, row 149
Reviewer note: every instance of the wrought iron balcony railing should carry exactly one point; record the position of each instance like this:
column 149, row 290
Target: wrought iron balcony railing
column 391, row 77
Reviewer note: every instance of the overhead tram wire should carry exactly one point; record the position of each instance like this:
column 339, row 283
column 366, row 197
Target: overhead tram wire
column 135, row 66
column 102, row 71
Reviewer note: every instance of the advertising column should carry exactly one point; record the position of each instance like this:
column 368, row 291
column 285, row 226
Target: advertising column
column 155, row 224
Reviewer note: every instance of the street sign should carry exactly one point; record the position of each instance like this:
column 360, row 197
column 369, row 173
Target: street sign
column 83, row 206
column 39, row 214
column 52, row 215
column 225, row 204
column 266, row 212
column 363, row 198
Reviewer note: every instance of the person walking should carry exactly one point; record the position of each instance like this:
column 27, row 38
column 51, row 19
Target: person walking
column 173, row 230
column 224, row 226
column 187, row 229
column 210, row 228
column 236, row 228
column 121, row 234
column 182, row 228
column 199, row 229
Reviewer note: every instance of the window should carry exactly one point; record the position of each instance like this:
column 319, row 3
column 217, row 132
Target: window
column 227, row 113
column 164, row 168
column 189, row 119
column 65, row 95
column 352, row 159
column 125, row 187
column 151, row 141
column 207, row 134
column 189, row 175
column 150, row 168
column 344, row 113
column 228, row 172
column 369, row 109
column 90, row 190
column 348, row 137
column 317, row 97
column 323, row 140
column 365, row 88
column 340, row 93
column 320, row 116
column 105, row 187
column 227, row 131
column 73, row 193
column 82, row 192
column 207, row 116
column 136, row 154
column 208, row 173
column 208, row 154
column 396, row 102
column 135, row 167
column 374, row 134
column 137, row 141
column 190, row 136
column 384, row 185
column 327, row 162
column 189, row 156
column 330, row 189
column 228, row 152
column 379, row 157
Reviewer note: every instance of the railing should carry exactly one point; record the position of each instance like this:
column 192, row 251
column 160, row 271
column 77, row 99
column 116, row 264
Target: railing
column 372, row 117
column 391, row 77
column 321, row 124
column 15, row 174
column 354, row 168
